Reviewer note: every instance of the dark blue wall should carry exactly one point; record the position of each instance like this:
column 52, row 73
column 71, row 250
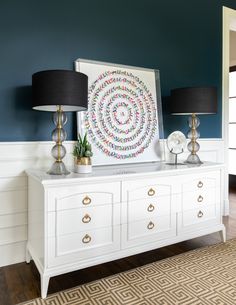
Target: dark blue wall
column 180, row 38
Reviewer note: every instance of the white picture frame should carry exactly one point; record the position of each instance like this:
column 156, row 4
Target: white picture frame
column 124, row 118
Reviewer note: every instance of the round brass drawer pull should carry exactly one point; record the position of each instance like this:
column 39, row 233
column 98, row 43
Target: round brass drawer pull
column 200, row 184
column 200, row 198
column 86, row 218
column 150, row 225
column 151, row 192
column 151, row 208
column 200, row 214
column 86, row 239
column 86, row 200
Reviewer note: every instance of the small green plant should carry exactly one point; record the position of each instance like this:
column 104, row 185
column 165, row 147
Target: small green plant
column 82, row 147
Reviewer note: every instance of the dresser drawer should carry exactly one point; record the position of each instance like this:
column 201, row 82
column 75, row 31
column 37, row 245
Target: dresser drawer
column 81, row 246
column 74, row 220
column 69, row 197
column 149, row 191
column 78, row 241
column 149, row 207
column 146, row 189
column 148, row 230
column 200, row 198
column 199, row 215
column 201, row 182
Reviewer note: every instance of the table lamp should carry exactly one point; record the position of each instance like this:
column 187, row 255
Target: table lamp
column 192, row 101
column 59, row 91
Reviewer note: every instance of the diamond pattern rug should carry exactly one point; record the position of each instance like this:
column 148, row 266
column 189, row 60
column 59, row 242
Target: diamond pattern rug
column 199, row 277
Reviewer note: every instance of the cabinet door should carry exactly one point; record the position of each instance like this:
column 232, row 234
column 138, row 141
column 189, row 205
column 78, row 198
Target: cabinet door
column 201, row 200
column 83, row 223
column 148, row 211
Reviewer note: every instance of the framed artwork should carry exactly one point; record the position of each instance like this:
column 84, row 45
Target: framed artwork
column 124, row 118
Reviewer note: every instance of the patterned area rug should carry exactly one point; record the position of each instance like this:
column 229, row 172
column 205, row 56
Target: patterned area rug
column 199, row 277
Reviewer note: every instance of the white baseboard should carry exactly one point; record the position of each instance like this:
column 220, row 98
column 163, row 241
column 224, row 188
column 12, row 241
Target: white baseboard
column 15, row 158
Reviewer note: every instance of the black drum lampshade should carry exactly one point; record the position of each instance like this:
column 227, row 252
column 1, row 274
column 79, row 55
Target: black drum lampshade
column 66, row 88
column 198, row 100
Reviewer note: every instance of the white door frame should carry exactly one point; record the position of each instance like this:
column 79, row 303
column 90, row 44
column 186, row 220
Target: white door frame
column 229, row 23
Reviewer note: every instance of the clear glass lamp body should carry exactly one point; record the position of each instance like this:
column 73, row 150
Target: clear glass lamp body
column 193, row 134
column 59, row 151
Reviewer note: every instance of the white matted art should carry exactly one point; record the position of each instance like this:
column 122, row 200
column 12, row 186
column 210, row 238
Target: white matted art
column 124, row 117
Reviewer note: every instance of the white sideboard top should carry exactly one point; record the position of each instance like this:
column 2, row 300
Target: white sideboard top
column 121, row 172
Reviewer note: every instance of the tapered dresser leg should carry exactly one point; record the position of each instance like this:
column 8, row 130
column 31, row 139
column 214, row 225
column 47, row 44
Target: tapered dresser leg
column 223, row 235
column 44, row 286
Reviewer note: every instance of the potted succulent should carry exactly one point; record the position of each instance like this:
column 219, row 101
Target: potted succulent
column 83, row 153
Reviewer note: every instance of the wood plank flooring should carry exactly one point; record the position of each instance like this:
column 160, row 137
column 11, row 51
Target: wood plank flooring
column 21, row 282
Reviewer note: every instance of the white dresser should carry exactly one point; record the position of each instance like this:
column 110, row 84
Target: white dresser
column 83, row 220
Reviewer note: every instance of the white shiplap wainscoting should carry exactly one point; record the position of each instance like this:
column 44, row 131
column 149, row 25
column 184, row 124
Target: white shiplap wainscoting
column 15, row 158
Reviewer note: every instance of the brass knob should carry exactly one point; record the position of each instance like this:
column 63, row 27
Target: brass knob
column 151, row 208
column 151, row 192
column 200, row 214
column 200, row 198
column 86, row 200
column 86, row 239
column 200, row 184
column 86, row 218
column 150, row 225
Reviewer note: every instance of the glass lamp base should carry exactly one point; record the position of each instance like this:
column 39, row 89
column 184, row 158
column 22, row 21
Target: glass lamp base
column 193, row 159
column 193, row 145
column 58, row 168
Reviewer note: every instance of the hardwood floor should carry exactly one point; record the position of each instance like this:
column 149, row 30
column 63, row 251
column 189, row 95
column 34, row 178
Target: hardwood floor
column 21, row 282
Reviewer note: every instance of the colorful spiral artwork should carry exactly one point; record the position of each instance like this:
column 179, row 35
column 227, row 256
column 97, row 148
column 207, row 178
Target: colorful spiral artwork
column 122, row 114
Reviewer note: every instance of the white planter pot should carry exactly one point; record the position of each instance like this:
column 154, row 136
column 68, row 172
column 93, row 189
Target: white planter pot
column 83, row 169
